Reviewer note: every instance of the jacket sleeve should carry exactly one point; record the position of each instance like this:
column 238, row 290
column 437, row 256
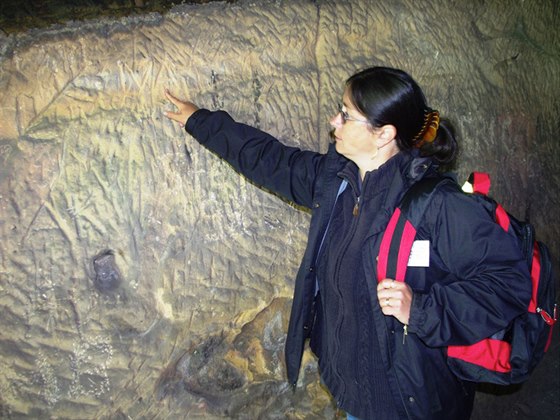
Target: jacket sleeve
column 482, row 279
column 287, row 171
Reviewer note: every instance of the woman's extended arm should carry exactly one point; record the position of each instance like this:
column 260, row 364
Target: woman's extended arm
column 287, row 171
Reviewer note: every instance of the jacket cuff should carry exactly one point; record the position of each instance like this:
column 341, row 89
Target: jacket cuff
column 194, row 119
column 417, row 314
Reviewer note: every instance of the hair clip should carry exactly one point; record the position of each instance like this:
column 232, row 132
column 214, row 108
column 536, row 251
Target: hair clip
column 429, row 129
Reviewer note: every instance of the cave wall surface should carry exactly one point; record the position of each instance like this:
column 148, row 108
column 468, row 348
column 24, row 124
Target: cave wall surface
column 141, row 277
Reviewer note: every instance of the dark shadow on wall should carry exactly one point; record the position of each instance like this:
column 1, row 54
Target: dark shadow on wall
column 21, row 15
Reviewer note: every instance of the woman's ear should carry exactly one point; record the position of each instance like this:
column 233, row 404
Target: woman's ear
column 387, row 133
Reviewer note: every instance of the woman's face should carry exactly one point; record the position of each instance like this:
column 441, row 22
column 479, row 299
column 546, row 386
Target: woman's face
column 355, row 138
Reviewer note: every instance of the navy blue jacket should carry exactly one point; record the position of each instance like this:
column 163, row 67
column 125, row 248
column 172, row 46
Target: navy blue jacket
column 474, row 285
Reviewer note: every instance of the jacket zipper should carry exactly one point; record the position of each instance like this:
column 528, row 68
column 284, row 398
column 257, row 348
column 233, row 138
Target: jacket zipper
column 352, row 231
column 356, row 209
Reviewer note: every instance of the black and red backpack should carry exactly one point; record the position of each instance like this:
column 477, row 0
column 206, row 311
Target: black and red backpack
column 510, row 355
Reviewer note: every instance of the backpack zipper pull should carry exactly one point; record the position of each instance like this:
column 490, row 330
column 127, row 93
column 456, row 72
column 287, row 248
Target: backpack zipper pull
column 405, row 332
column 550, row 320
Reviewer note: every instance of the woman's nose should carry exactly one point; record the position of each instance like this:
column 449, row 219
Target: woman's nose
column 336, row 120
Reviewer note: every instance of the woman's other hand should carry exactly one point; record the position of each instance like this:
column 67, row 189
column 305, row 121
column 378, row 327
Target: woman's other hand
column 395, row 298
column 184, row 109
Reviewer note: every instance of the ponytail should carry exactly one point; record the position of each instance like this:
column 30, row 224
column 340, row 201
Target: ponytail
column 443, row 148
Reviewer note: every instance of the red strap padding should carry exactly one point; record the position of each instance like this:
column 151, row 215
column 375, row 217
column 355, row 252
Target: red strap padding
column 390, row 257
column 386, row 245
column 489, row 353
column 535, row 276
column 409, row 233
column 481, row 182
column 502, row 218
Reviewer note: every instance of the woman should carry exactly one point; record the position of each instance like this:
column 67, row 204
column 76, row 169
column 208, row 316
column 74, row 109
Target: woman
column 380, row 346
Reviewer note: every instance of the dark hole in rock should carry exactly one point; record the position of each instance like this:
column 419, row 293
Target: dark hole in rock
column 203, row 371
column 220, row 376
column 107, row 276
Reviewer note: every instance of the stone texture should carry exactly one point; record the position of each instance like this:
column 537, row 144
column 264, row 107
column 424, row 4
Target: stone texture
column 90, row 171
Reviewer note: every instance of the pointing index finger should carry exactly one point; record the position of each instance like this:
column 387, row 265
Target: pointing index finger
column 171, row 97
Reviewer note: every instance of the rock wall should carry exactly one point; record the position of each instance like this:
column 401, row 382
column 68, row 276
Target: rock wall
column 140, row 277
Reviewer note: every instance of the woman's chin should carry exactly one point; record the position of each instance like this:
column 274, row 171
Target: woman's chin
column 339, row 147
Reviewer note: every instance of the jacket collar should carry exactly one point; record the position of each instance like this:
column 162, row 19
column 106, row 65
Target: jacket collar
column 410, row 167
column 403, row 170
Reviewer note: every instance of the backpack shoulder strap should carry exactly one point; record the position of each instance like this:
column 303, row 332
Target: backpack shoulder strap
column 398, row 238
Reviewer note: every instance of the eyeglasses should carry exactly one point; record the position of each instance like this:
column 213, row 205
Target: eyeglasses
column 346, row 117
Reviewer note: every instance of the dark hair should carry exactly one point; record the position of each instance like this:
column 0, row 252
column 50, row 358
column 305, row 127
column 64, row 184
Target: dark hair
column 390, row 96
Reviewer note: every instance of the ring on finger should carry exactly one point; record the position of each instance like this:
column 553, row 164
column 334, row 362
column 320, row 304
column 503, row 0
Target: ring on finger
column 387, row 302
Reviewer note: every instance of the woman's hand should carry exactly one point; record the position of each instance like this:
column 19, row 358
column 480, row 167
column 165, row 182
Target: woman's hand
column 185, row 109
column 395, row 298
